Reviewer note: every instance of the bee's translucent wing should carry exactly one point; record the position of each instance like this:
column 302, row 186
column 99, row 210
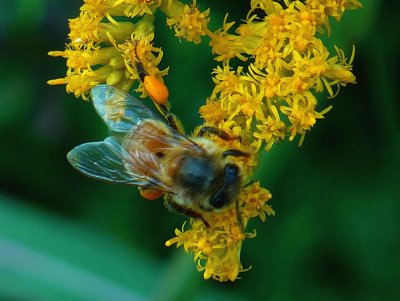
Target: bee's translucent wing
column 104, row 160
column 120, row 111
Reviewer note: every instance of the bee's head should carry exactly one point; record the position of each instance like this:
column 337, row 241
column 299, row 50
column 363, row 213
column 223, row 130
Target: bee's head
column 211, row 182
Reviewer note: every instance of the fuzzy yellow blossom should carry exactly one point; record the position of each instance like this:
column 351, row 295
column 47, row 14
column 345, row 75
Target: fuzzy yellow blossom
column 273, row 96
column 102, row 50
column 188, row 21
column 266, row 88
column 269, row 97
column 217, row 247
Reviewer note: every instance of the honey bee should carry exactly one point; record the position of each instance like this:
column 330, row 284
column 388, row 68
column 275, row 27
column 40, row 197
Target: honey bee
column 194, row 174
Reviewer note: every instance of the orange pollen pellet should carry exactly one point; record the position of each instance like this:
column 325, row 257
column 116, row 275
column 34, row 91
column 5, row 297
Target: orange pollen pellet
column 150, row 194
column 156, row 89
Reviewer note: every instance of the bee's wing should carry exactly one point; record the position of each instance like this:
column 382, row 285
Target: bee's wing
column 105, row 161
column 132, row 155
column 120, row 111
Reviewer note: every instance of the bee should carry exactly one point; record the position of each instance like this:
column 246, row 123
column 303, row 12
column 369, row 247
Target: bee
column 194, row 174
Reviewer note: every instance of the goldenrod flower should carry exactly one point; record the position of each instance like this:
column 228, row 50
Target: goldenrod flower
column 287, row 64
column 133, row 8
column 271, row 131
column 270, row 100
column 102, row 50
column 189, row 23
column 217, row 247
column 266, row 88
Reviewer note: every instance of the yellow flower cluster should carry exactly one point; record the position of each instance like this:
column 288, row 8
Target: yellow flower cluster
column 287, row 65
column 216, row 248
column 104, row 50
column 188, row 21
column 271, row 95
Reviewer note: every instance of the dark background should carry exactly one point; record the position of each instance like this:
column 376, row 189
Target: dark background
column 336, row 233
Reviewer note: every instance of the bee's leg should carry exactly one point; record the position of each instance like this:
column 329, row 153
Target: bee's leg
column 249, row 183
column 172, row 120
column 207, row 129
column 184, row 211
column 239, row 217
column 224, row 136
column 140, row 70
column 162, row 107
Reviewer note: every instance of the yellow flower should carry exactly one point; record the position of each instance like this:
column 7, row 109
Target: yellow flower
column 334, row 8
column 266, row 88
column 288, row 65
column 213, row 113
column 272, row 130
column 188, row 21
column 108, row 52
column 225, row 45
column 133, row 8
column 226, row 81
column 217, row 247
column 140, row 50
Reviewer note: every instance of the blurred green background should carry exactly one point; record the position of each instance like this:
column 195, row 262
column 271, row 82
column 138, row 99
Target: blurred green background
column 336, row 233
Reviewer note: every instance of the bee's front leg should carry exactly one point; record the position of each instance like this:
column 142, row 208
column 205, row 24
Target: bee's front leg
column 208, row 129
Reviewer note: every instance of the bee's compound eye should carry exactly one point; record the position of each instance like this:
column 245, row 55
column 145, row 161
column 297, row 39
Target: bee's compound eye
column 231, row 174
column 225, row 193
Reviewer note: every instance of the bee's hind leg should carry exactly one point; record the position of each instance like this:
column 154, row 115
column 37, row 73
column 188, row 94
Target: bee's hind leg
column 184, row 211
column 162, row 107
column 172, row 120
